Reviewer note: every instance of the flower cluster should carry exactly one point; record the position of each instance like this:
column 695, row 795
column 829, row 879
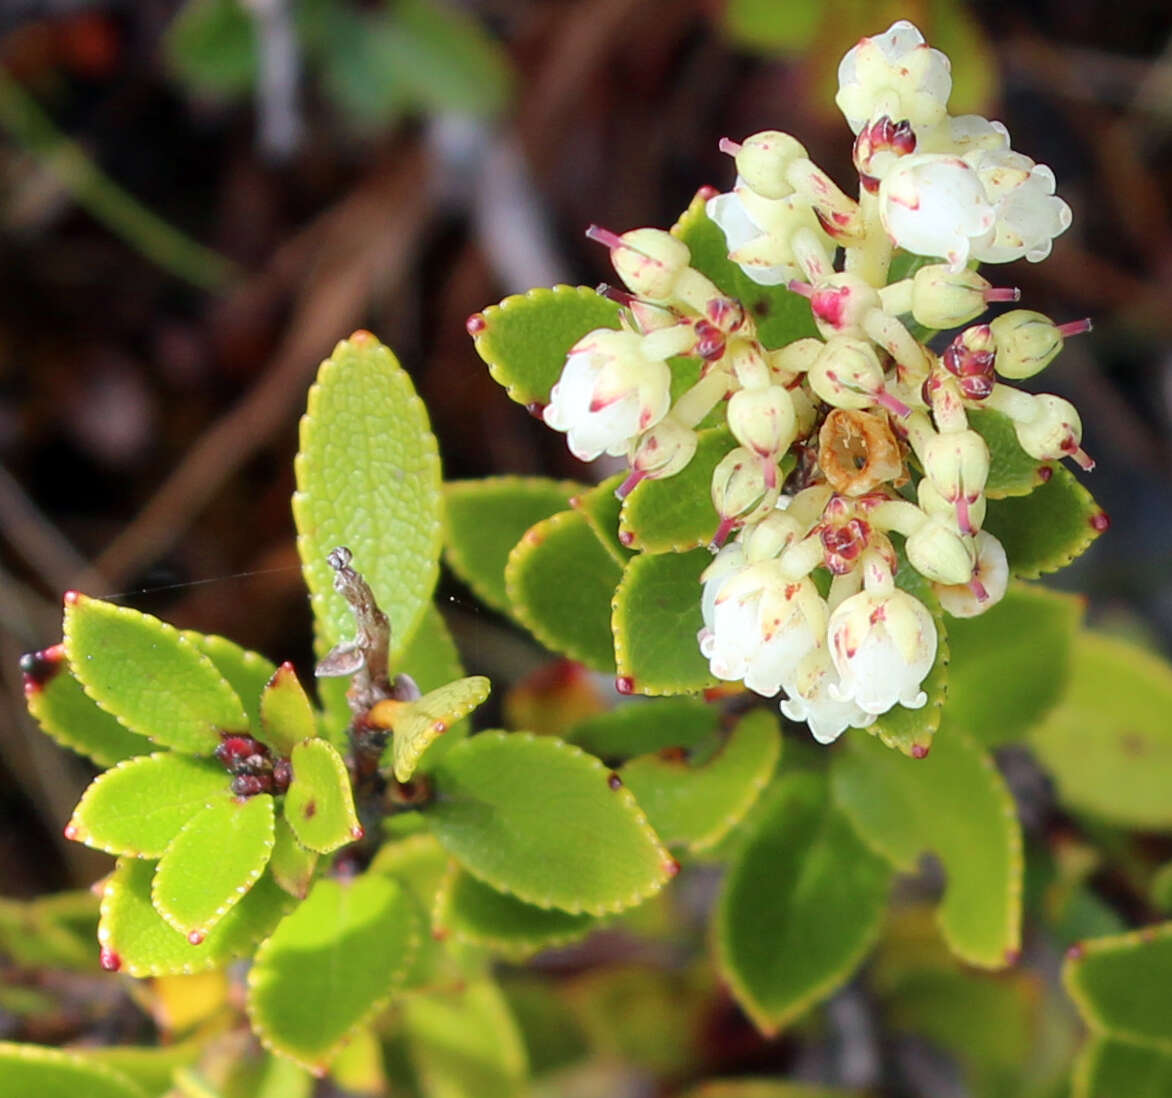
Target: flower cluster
column 858, row 435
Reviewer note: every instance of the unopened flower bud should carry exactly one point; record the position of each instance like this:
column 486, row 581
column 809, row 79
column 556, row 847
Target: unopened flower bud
column 858, row 452
column 1027, row 342
column 762, row 161
column 942, row 298
column 985, row 587
column 795, row 358
column 763, row 420
column 741, row 490
column 847, row 373
column 1054, row 431
column 940, row 554
column 957, row 463
column 649, row 261
column 839, row 303
column 772, row 535
column 662, row 452
column 935, row 506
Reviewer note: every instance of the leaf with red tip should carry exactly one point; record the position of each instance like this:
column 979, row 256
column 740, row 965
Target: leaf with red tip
column 286, row 715
column 419, row 723
column 320, row 803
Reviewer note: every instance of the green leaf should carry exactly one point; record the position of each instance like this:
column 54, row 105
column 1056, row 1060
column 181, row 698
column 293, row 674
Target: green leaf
column 151, row 1067
column 600, row 508
column 247, row 672
column 1011, row 664
column 320, row 804
column 539, row 819
column 211, row 45
column 368, row 478
column 420, row 723
column 1108, row 743
column 800, row 906
column 1046, row 530
column 291, row 865
column 781, row 316
column 140, row 805
column 1012, row 472
column 1122, row 985
column 137, row 940
column 476, row 913
column 430, row 657
column 560, row 580
column 211, row 864
column 465, row 1042
column 656, row 619
column 642, row 727
column 676, row 514
column 146, row 674
column 358, row 1067
column 696, row 806
column 955, row 804
column 484, row 519
column 525, row 339
column 1117, row 1069
column 286, row 714
column 26, row 1070
column 765, row 26
column 64, row 711
column 330, row 966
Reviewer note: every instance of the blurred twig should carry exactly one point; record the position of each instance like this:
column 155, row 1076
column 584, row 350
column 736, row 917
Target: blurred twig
column 279, row 123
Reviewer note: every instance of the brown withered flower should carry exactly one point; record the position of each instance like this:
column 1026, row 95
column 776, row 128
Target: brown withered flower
column 858, row 452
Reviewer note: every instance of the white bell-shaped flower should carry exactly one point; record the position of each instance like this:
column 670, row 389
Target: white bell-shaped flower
column 1028, row 212
column 883, row 644
column 812, row 697
column 963, row 134
column 897, row 74
column 987, row 586
column 935, row 205
column 609, row 392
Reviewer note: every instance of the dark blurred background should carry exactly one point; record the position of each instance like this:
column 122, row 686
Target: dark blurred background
column 198, row 199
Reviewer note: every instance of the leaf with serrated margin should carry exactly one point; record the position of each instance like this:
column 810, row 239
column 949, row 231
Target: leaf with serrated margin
column 1010, row 665
column 525, row 339
column 696, row 806
column 419, row 723
column 432, row 659
column 1012, row 472
column 1108, row 742
column 247, row 672
column 139, row 806
column 320, row 803
column 137, row 940
column 600, row 507
column 656, row 618
column 484, row 519
column 473, row 912
column 780, row 315
column 800, row 907
column 954, row 803
column 218, row 855
column 64, row 711
column 641, row 727
column 286, row 714
column 330, row 966
column 676, row 514
column 292, row 866
column 1108, row 1068
column 1046, row 530
column 26, row 1070
column 368, row 478
column 560, row 580
column 1122, row 985
column 542, row 820
column 147, row 675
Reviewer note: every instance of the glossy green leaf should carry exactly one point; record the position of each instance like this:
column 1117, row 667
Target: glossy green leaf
column 153, row 680
column 676, row 514
column 465, row 1042
column 1108, row 742
column 525, row 339
column 1011, row 664
column 1012, row 472
column 537, row 818
column 642, row 727
column 368, row 478
column 800, row 906
column 473, row 912
column 696, row 806
column 292, row 866
column 139, row 806
column 601, row 507
column 484, row 519
column 1046, row 530
column 955, row 804
column 320, row 803
column 420, row 723
column 1109, row 1068
column 247, row 672
column 64, row 711
column 27, row 1070
column 656, row 619
column 1123, row 985
column 780, row 316
column 330, row 966
column 286, row 714
column 560, row 580
column 218, row 855
column 135, row 937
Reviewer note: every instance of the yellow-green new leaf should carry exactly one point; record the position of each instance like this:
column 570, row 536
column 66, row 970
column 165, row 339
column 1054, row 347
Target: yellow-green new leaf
column 149, row 676
column 286, row 715
column 419, row 723
column 320, row 803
